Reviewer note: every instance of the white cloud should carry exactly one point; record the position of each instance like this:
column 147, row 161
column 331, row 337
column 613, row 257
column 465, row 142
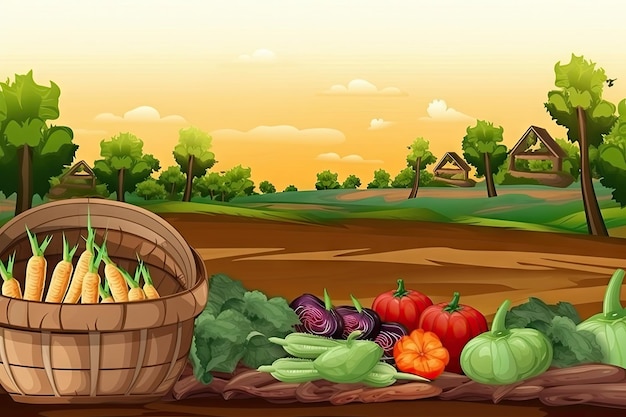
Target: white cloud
column 89, row 132
column 355, row 159
column 438, row 110
column 258, row 56
column 144, row 114
column 379, row 124
column 283, row 134
column 360, row 87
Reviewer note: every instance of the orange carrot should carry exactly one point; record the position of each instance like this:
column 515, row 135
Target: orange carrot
column 136, row 292
column 148, row 285
column 10, row 286
column 61, row 274
column 82, row 266
column 91, row 281
column 36, row 268
column 114, row 278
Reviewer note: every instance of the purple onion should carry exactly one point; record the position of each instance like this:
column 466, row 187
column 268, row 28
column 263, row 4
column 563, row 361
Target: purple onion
column 358, row 318
column 389, row 334
column 317, row 316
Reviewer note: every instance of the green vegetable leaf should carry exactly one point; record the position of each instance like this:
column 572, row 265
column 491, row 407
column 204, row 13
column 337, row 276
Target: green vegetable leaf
column 260, row 351
column 578, row 346
column 220, row 342
column 563, row 308
column 534, row 310
column 275, row 311
column 222, row 288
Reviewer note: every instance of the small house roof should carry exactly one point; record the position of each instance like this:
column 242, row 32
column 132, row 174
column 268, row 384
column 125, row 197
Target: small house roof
column 542, row 135
column 455, row 159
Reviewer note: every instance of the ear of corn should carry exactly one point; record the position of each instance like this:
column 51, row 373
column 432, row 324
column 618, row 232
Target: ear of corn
column 60, row 280
column 10, row 286
column 36, row 268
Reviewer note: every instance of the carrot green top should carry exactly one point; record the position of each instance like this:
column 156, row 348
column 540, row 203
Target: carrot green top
column 94, row 262
column 38, row 250
column 91, row 234
column 7, row 272
column 68, row 253
column 104, row 291
column 146, row 275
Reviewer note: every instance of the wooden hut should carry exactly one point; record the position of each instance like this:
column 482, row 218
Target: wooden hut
column 78, row 181
column 453, row 169
column 537, row 144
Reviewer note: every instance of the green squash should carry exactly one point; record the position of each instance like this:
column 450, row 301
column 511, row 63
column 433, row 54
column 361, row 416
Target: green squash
column 505, row 356
column 609, row 327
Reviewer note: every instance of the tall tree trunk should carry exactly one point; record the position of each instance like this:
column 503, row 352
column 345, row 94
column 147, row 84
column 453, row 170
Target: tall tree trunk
column 120, row 185
column 172, row 190
column 416, row 180
column 25, row 180
column 595, row 222
column 491, row 187
column 189, row 184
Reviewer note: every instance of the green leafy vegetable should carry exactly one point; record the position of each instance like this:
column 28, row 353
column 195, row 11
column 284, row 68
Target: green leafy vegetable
column 558, row 322
column 235, row 327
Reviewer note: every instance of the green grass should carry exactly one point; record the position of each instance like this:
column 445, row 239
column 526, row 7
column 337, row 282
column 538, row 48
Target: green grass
column 513, row 209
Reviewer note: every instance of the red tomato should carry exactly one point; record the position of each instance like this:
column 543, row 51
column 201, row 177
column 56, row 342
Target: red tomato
column 402, row 306
column 455, row 324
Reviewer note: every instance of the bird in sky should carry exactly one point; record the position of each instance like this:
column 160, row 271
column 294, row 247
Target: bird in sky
column 610, row 81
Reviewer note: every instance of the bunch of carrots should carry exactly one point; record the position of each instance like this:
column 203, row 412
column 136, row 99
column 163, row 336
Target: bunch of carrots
column 69, row 284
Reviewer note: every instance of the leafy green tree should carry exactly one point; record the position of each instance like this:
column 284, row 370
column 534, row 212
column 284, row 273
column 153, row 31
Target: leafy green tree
column 150, row 190
column 267, row 187
column 290, row 187
column 482, row 149
column 611, row 160
column 193, row 156
column 418, row 159
column 578, row 106
column 237, row 183
column 571, row 163
column 381, row 179
column 173, row 180
column 31, row 152
column 352, row 181
column 124, row 164
column 210, row 184
column 404, row 179
column 327, row 180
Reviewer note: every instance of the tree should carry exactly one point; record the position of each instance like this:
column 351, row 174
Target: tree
column 611, row 160
column 150, row 190
column 404, row 179
column 381, row 179
column 237, row 183
column 193, row 156
column 352, row 181
column 173, row 180
column 418, row 159
column 481, row 149
column 570, row 164
column 578, row 106
column 123, row 165
column 290, row 187
column 211, row 184
column 31, row 152
column 267, row 187
column 327, row 180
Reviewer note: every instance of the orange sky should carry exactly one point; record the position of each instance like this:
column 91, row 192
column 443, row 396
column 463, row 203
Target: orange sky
column 293, row 88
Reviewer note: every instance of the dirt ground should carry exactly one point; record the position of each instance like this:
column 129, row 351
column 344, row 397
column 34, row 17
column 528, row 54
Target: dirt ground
column 486, row 265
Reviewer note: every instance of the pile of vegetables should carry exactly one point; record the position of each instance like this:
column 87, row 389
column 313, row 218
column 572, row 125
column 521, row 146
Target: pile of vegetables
column 71, row 284
column 403, row 336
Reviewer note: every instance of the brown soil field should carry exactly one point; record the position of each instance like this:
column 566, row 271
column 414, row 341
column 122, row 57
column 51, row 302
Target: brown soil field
column 365, row 258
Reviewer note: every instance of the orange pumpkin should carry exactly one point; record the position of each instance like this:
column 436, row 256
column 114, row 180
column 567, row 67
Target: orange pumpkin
column 421, row 353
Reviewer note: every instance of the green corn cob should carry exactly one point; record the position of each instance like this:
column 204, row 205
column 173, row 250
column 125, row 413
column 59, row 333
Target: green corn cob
column 306, row 346
column 292, row 370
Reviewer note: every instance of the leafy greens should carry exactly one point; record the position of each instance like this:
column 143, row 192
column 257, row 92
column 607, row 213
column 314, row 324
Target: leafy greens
column 235, row 326
column 558, row 322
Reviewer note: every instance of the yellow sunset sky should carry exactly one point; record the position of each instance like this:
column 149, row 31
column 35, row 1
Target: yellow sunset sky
column 291, row 88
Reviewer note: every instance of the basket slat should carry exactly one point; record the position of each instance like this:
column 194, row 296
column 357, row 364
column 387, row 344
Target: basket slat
column 143, row 336
column 47, row 362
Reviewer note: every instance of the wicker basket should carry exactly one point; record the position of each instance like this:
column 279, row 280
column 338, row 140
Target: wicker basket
column 100, row 353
